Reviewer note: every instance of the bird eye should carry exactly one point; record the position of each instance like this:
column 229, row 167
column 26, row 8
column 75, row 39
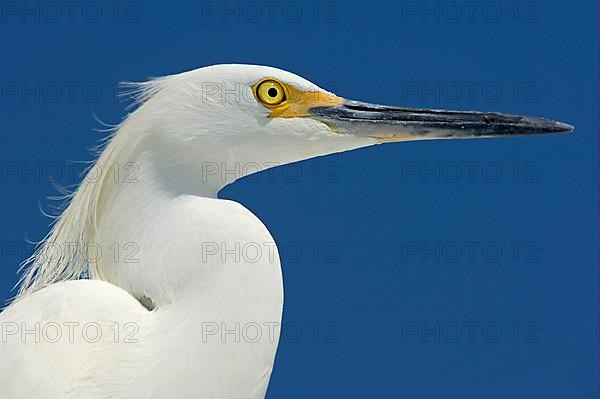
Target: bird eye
column 270, row 93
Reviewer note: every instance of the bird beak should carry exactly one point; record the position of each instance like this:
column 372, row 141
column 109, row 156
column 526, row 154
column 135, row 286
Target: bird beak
column 386, row 123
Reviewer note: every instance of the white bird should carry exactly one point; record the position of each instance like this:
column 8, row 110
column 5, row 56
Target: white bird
column 170, row 307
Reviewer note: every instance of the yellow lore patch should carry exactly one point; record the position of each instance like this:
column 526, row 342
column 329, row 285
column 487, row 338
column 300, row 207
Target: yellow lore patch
column 292, row 102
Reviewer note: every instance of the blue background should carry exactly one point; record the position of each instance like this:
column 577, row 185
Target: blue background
column 356, row 290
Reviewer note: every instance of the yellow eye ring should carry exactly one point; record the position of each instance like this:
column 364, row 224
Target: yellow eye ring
column 270, row 93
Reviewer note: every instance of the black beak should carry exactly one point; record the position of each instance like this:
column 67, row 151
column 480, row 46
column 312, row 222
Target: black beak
column 392, row 123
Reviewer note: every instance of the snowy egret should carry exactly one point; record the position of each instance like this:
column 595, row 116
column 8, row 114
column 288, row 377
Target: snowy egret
column 157, row 316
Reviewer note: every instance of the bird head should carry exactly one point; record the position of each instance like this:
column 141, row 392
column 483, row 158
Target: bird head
column 227, row 121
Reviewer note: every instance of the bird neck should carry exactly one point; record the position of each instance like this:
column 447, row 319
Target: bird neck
column 194, row 257
column 136, row 176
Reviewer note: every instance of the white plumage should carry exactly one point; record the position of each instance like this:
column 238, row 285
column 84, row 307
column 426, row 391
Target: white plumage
column 179, row 314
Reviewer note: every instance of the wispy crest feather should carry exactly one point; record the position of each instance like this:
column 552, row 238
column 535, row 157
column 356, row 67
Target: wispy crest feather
column 63, row 253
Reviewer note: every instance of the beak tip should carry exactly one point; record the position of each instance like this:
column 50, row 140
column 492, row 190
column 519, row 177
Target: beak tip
column 566, row 128
column 558, row 127
column 544, row 126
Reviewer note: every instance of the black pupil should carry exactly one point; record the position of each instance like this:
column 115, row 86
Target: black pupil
column 272, row 92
